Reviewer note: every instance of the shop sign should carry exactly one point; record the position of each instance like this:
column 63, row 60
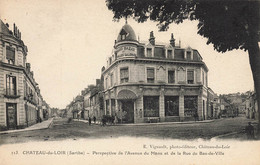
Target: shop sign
column 126, row 51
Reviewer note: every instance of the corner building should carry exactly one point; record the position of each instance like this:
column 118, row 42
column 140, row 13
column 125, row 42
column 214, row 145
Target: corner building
column 20, row 98
column 149, row 82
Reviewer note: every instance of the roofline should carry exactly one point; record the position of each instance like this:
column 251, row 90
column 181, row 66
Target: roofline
column 154, row 60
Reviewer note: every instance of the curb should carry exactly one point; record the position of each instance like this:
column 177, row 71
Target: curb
column 227, row 134
column 148, row 124
column 27, row 129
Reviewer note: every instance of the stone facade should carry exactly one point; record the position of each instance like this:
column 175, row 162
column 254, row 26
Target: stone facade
column 20, row 98
column 145, row 82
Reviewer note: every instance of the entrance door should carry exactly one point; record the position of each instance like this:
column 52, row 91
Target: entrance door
column 128, row 111
column 11, row 116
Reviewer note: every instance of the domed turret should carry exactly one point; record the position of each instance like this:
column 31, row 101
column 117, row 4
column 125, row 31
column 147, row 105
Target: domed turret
column 126, row 34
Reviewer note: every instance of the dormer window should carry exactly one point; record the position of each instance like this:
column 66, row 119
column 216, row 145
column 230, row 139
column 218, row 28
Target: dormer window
column 149, row 52
column 188, row 55
column 123, row 34
column 10, row 55
column 169, row 54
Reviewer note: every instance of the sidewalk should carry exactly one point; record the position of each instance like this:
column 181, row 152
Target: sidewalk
column 43, row 125
column 143, row 124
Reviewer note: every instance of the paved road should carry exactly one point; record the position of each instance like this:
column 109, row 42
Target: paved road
column 62, row 130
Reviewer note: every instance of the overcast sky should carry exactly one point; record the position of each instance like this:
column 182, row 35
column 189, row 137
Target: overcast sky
column 69, row 41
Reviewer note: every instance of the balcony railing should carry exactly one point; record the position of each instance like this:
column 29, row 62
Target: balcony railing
column 8, row 93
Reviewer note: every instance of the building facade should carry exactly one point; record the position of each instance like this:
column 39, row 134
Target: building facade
column 149, row 82
column 20, row 98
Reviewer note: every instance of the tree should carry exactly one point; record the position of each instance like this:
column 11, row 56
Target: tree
column 228, row 25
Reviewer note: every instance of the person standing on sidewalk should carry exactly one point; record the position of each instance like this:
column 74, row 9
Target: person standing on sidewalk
column 196, row 116
column 94, row 119
column 89, row 120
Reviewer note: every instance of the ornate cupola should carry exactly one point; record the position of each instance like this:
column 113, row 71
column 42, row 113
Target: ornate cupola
column 126, row 43
column 126, row 34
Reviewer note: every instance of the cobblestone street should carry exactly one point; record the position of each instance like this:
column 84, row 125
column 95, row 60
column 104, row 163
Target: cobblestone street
column 61, row 130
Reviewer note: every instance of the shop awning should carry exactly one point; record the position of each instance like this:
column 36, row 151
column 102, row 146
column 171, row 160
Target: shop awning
column 126, row 95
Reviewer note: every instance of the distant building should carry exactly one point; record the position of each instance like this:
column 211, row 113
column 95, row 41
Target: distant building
column 20, row 98
column 77, row 110
column 150, row 82
column 93, row 101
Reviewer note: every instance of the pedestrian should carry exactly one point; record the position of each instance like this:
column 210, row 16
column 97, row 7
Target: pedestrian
column 196, row 116
column 94, row 119
column 250, row 131
column 89, row 120
column 116, row 121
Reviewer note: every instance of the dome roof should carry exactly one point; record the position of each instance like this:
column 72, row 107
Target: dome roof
column 126, row 34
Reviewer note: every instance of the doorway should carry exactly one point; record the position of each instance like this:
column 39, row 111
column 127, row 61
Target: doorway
column 128, row 111
column 11, row 116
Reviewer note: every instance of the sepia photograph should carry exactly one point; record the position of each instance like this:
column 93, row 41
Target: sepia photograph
column 129, row 82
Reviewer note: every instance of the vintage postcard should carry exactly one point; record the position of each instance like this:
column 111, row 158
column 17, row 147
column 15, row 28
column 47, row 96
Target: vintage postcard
column 170, row 82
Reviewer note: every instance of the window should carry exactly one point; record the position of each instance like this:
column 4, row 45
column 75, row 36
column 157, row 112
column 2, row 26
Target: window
column 188, row 55
column 169, row 54
column 10, row 85
column 149, row 52
column 190, row 77
column 171, row 106
column 150, row 75
column 106, row 82
column 171, row 76
column 123, row 37
column 124, row 75
column 190, row 105
column 111, row 79
column 203, row 78
column 10, row 54
column 123, row 34
column 113, row 106
column 107, row 107
column 151, row 106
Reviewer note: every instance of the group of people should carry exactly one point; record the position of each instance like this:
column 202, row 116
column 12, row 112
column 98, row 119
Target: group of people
column 94, row 119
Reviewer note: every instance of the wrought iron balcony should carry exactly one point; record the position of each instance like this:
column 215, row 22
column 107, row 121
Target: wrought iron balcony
column 8, row 93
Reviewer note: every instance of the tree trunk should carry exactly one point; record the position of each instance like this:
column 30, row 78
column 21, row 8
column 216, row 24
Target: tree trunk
column 254, row 58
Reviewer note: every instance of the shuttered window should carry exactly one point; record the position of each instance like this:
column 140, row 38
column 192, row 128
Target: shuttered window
column 10, row 85
column 124, row 76
column 150, row 75
column 171, row 76
column 190, row 76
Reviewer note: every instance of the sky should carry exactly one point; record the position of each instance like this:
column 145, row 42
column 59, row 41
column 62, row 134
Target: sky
column 69, row 41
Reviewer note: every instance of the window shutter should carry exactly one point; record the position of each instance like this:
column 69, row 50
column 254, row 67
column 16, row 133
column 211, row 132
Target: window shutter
column 190, row 75
column 150, row 73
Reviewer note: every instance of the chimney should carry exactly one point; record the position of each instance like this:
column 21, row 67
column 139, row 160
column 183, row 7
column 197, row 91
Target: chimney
column 152, row 38
column 97, row 82
column 28, row 67
column 172, row 41
column 14, row 30
column 7, row 25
